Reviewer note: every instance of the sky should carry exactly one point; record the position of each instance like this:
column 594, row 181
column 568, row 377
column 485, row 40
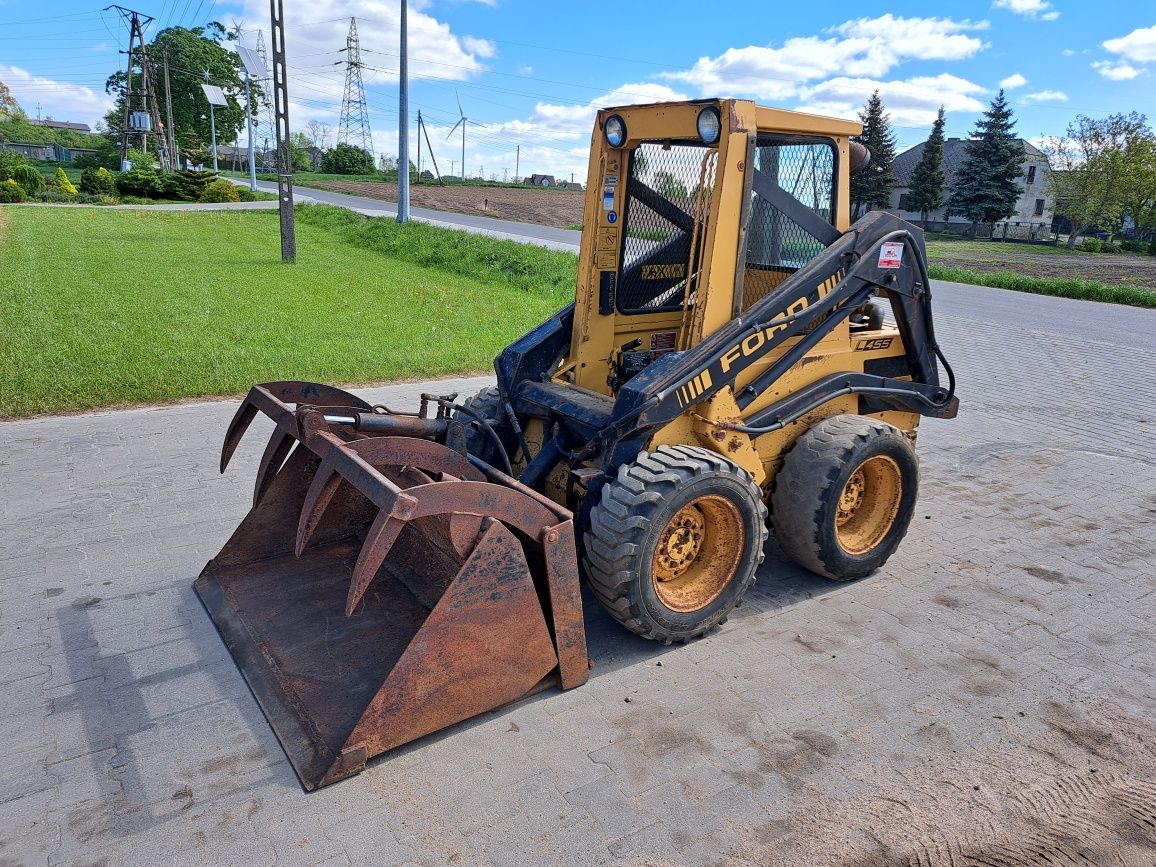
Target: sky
column 530, row 75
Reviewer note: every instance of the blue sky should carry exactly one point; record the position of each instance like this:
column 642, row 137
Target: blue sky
column 532, row 73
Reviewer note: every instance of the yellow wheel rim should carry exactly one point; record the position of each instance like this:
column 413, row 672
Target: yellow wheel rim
column 698, row 553
column 868, row 505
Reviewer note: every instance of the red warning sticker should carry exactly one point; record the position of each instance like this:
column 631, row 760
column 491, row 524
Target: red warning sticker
column 891, row 254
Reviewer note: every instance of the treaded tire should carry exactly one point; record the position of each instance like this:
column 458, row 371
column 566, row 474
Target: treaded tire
column 488, row 404
column 630, row 519
column 805, row 499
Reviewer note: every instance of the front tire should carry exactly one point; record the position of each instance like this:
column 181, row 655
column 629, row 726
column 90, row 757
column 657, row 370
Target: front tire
column 845, row 495
column 675, row 541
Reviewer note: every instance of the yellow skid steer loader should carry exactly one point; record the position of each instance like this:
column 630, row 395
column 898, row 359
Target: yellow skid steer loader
column 735, row 347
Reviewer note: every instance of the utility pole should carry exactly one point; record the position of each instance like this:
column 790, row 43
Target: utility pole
column 403, row 127
column 284, row 145
column 171, row 136
column 212, row 99
column 249, row 126
column 517, row 163
column 144, row 116
column 424, row 132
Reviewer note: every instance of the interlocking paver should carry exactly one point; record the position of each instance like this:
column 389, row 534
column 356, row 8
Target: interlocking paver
column 1006, row 646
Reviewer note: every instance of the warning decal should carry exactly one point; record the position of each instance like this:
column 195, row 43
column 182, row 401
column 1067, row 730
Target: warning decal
column 891, row 254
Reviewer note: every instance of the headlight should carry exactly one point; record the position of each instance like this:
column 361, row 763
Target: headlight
column 709, row 125
column 615, row 129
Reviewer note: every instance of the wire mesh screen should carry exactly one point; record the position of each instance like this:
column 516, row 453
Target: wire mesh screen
column 667, row 184
column 777, row 246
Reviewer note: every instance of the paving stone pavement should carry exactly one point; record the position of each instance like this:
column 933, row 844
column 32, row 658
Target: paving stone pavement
column 988, row 697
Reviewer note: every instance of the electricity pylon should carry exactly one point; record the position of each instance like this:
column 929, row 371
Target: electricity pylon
column 353, row 126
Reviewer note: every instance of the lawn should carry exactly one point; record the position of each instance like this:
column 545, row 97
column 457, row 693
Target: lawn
column 109, row 307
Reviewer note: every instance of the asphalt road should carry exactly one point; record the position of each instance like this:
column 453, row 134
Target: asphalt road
column 546, row 236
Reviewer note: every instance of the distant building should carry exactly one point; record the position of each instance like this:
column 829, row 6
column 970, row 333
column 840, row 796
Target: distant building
column 540, row 181
column 44, row 152
column 63, row 124
column 1035, row 205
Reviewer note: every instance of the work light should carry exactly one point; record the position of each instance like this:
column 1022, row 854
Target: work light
column 709, row 125
column 615, row 130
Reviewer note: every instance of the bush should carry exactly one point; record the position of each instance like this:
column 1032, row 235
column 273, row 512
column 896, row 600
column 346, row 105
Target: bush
column 1152, row 248
column 190, row 184
column 29, row 178
column 144, row 181
column 1092, row 245
column 245, row 194
column 345, row 159
column 97, row 181
column 1133, row 246
column 16, row 167
column 10, row 191
column 55, row 197
column 220, row 191
column 62, row 183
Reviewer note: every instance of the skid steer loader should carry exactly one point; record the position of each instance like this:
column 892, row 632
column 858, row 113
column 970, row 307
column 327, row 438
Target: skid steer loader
column 734, row 347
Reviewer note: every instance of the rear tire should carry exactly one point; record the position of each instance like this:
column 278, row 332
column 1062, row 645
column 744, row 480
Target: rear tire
column 675, row 541
column 845, row 495
column 487, row 403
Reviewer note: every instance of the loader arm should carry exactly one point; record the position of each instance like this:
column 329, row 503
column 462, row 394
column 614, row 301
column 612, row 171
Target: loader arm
column 805, row 306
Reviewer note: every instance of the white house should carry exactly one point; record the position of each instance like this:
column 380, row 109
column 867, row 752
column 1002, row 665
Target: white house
column 1035, row 205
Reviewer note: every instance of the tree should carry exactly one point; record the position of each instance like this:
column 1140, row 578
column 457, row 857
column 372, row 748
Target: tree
column 1139, row 199
column 871, row 188
column 299, row 146
column 1101, row 169
column 8, row 104
column 319, row 133
column 927, row 180
column 191, row 54
column 986, row 189
column 346, row 159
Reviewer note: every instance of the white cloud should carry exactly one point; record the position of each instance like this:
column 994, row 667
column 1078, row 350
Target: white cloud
column 1013, row 81
column 1041, row 9
column 58, row 99
column 552, row 122
column 1117, row 71
column 1067, row 52
column 480, row 47
column 861, row 47
column 1139, row 46
column 1046, row 96
column 914, row 102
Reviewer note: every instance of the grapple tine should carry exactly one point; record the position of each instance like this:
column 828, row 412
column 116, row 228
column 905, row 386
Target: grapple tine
column 272, row 460
column 237, row 427
column 317, row 499
column 380, row 538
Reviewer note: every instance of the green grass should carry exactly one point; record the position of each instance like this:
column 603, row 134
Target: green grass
column 105, row 307
column 519, row 266
column 1085, row 290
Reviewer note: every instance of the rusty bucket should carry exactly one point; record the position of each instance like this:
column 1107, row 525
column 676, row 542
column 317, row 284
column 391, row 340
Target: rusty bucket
column 384, row 587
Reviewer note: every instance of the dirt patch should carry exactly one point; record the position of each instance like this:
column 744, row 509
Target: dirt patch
column 546, row 207
column 987, row 256
column 1077, row 790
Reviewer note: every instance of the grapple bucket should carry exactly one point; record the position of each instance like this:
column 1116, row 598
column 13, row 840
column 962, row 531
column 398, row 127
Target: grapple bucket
column 384, row 587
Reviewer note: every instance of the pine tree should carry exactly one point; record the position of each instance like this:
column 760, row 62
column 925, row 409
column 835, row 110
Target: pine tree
column 871, row 187
column 927, row 180
column 986, row 188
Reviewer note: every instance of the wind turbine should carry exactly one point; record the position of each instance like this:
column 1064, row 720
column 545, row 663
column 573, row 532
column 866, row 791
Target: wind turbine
column 462, row 123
